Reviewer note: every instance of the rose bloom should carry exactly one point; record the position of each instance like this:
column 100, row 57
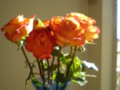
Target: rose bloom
column 67, row 31
column 40, row 42
column 18, row 28
column 87, row 24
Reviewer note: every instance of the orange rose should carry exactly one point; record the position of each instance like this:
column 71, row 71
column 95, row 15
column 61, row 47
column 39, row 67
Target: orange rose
column 40, row 42
column 67, row 31
column 90, row 31
column 18, row 28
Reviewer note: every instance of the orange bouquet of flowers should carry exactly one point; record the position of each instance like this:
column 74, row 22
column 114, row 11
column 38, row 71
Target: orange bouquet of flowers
column 47, row 39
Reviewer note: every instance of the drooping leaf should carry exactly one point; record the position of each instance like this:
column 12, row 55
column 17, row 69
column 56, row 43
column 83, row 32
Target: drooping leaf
column 80, row 78
column 81, row 75
column 90, row 65
column 80, row 81
column 88, row 75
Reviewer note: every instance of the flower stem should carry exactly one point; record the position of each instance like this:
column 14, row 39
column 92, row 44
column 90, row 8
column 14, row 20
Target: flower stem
column 69, row 65
column 59, row 60
column 53, row 59
column 58, row 67
column 43, row 70
column 43, row 74
column 40, row 70
column 48, row 75
column 26, row 58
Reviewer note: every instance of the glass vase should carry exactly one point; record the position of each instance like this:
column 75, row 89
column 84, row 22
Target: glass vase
column 52, row 86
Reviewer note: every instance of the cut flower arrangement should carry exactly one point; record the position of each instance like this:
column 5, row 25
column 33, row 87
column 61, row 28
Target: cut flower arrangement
column 47, row 40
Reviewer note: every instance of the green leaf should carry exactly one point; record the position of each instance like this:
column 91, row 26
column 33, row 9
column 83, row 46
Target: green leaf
column 68, row 58
column 82, row 67
column 40, row 23
column 80, row 74
column 44, row 65
column 54, row 76
column 80, row 78
column 63, row 60
column 75, row 67
column 76, row 62
column 89, row 75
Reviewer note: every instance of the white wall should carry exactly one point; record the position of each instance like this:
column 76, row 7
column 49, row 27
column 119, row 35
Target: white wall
column 108, row 63
column 104, row 53
column 94, row 51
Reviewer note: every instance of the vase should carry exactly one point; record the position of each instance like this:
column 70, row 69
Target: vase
column 52, row 86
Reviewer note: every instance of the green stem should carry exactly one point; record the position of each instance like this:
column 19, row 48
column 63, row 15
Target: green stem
column 69, row 65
